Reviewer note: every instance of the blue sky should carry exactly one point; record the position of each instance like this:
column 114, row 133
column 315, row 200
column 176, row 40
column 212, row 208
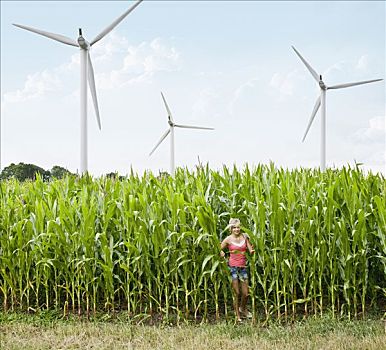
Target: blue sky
column 224, row 64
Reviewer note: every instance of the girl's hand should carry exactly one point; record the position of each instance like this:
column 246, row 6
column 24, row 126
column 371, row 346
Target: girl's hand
column 222, row 254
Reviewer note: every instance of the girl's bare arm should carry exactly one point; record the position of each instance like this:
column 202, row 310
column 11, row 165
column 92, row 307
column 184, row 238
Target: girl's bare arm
column 224, row 244
column 250, row 247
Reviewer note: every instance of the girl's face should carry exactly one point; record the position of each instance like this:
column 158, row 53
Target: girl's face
column 235, row 230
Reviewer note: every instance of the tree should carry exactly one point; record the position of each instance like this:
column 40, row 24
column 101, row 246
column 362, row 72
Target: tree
column 23, row 172
column 115, row 176
column 59, row 172
column 112, row 175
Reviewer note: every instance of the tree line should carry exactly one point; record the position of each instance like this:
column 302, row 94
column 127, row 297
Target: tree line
column 27, row 172
column 24, row 172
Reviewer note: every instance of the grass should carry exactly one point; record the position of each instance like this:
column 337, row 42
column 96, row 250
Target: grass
column 20, row 331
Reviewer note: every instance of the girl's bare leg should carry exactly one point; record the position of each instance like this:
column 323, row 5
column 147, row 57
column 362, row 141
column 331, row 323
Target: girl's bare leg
column 244, row 295
column 236, row 290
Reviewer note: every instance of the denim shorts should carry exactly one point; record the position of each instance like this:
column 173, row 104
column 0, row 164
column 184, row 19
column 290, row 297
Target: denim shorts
column 239, row 273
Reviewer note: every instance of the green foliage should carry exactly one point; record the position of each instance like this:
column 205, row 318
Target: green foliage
column 150, row 244
column 23, row 172
column 59, row 172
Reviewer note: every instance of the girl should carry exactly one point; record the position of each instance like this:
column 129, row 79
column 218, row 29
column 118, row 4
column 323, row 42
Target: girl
column 238, row 243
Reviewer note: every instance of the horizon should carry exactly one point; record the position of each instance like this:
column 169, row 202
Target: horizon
column 230, row 167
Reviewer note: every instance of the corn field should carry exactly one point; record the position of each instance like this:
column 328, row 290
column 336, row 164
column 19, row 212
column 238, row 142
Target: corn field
column 150, row 245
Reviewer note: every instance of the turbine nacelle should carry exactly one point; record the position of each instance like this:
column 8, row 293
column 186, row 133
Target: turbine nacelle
column 322, row 84
column 83, row 43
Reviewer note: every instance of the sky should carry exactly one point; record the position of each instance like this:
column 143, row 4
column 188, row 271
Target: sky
column 222, row 64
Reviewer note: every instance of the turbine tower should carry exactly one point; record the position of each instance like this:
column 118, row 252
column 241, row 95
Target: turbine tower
column 170, row 131
column 86, row 73
column 321, row 103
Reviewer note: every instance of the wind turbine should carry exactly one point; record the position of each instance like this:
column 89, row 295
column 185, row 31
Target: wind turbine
column 170, row 131
column 86, row 73
column 321, row 102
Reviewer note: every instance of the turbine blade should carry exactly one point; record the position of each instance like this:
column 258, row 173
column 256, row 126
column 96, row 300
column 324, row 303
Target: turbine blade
column 91, row 83
column 114, row 24
column 61, row 38
column 167, row 108
column 316, row 107
column 341, row 86
column 312, row 71
column 192, row 127
column 159, row 142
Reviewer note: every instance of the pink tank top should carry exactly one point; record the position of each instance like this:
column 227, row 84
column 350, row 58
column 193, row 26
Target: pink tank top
column 237, row 256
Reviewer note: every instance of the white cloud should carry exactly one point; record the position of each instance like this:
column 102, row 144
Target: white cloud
column 377, row 159
column 36, row 85
column 205, row 106
column 250, row 84
column 363, row 63
column 113, row 44
column 369, row 144
column 285, row 83
column 148, row 58
column 244, row 89
column 375, row 132
column 69, row 66
column 349, row 69
column 140, row 63
column 339, row 72
column 161, row 58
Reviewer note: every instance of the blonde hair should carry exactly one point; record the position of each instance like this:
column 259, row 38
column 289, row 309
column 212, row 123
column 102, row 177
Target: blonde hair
column 233, row 222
